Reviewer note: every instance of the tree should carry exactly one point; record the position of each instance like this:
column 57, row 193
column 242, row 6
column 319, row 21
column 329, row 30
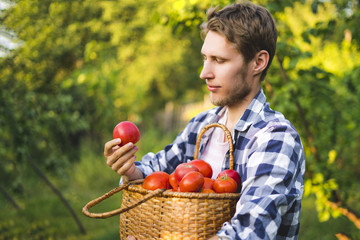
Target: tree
column 318, row 61
column 80, row 68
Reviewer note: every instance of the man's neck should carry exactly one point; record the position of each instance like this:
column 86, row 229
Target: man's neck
column 234, row 115
column 237, row 110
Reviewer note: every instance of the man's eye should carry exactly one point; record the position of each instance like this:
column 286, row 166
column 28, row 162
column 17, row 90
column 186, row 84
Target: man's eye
column 219, row 60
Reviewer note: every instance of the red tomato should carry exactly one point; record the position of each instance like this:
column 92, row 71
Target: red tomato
column 156, row 180
column 225, row 184
column 233, row 174
column 208, row 183
column 182, row 169
column 206, row 190
column 204, row 167
column 172, row 180
column 127, row 132
column 191, row 182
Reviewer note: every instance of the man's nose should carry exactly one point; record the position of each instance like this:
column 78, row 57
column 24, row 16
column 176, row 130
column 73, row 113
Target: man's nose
column 207, row 72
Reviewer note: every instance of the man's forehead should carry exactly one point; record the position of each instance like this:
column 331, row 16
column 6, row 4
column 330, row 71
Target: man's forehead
column 216, row 44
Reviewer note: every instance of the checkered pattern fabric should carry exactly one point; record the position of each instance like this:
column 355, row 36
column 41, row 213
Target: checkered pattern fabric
column 269, row 157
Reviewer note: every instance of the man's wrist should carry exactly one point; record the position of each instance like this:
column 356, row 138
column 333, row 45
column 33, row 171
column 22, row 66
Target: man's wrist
column 136, row 174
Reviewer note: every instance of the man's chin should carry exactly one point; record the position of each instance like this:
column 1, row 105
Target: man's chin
column 217, row 102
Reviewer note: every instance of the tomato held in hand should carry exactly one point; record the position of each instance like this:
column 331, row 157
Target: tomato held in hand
column 204, row 167
column 225, row 184
column 127, row 132
column 191, row 182
column 156, row 180
column 182, row 169
column 233, row 174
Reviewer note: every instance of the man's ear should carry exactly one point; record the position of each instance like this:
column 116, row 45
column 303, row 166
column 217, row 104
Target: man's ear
column 261, row 60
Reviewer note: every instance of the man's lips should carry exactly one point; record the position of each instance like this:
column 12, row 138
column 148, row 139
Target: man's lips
column 213, row 88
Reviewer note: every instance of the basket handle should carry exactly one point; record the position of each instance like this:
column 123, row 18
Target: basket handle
column 120, row 210
column 228, row 137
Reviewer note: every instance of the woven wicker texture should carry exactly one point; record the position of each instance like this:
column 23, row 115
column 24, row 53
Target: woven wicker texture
column 175, row 215
column 162, row 214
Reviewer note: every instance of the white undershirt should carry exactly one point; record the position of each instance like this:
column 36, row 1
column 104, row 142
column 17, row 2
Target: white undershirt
column 216, row 148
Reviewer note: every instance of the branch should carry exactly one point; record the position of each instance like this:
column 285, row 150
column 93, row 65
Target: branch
column 342, row 236
column 350, row 215
column 57, row 192
column 347, row 213
column 8, row 197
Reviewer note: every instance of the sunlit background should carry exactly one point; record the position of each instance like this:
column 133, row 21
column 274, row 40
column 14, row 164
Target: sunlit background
column 71, row 70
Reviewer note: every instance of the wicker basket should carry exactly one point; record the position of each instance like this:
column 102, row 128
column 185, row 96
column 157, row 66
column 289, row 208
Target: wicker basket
column 162, row 214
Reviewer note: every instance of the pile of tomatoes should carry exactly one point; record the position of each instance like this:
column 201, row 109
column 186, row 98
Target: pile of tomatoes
column 194, row 176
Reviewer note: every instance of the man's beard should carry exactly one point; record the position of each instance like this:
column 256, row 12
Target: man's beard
column 236, row 96
column 238, row 93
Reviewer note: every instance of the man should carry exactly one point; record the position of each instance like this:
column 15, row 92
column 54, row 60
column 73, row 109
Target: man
column 239, row 45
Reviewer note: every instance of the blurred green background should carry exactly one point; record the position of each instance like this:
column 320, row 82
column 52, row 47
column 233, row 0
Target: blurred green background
column 71, row 70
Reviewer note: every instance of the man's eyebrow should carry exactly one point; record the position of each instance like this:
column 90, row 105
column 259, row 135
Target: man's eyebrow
column 210, row 55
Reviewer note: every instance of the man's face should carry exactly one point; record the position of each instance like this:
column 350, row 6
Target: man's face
column 225, row 71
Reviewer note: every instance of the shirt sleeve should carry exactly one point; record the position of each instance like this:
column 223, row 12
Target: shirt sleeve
column 272, row 187
column 167, row 159
column 181, row 150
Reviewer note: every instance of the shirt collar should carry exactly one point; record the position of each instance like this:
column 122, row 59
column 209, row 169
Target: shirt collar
column 252, row 111
column 246, row 120
column 213, row 116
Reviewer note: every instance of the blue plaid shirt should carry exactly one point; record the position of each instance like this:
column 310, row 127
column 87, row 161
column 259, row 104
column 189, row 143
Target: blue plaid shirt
column 269, row 157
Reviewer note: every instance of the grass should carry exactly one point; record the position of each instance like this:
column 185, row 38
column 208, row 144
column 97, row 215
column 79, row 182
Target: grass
column 43, row 216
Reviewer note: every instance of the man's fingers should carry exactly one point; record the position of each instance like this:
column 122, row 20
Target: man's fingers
column 108, row 148
column 126, row 166
column 119, row 153
column 120, row 158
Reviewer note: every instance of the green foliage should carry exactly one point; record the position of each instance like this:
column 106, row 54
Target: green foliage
column 81, row 67
column 43, row 216
column 319, row 56
column 312, row 228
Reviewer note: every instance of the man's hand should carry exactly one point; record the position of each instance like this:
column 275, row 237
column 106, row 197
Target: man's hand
column 121, row 159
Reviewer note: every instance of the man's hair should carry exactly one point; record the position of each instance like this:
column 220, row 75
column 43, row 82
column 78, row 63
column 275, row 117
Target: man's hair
column 250, row 27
